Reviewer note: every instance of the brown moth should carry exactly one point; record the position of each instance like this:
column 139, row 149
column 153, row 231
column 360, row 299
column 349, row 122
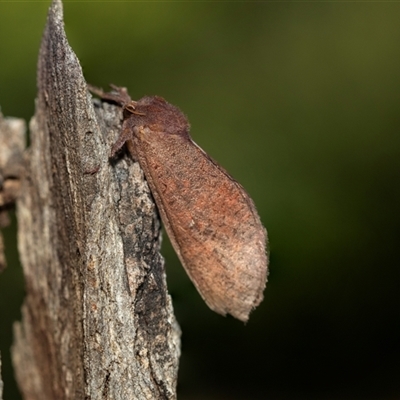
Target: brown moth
column 210, row 219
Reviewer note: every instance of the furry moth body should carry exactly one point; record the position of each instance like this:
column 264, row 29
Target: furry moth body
column 210, row 219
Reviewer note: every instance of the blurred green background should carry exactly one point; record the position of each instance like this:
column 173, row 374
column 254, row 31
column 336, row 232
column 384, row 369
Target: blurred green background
column 299, row 101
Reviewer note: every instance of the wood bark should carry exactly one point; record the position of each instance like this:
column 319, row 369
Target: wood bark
column 97, row 321
column 12, row 146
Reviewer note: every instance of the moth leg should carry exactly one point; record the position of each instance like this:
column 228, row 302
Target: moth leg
column 119, row 95
column 124, row 136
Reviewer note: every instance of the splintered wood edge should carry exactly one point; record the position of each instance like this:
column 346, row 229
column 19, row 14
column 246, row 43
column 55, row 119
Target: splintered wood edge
column 97, row 319
column 12, row 146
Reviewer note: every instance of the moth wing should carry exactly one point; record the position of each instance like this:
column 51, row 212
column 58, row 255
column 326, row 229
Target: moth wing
column 212, row 224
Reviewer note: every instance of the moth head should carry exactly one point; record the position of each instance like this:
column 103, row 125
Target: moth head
column 156, row 114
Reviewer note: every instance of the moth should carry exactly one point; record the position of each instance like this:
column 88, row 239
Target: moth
column 211, row 221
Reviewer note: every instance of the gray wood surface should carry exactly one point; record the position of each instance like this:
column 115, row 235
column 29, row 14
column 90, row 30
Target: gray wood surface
column 12, row 146
column 97, row 321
